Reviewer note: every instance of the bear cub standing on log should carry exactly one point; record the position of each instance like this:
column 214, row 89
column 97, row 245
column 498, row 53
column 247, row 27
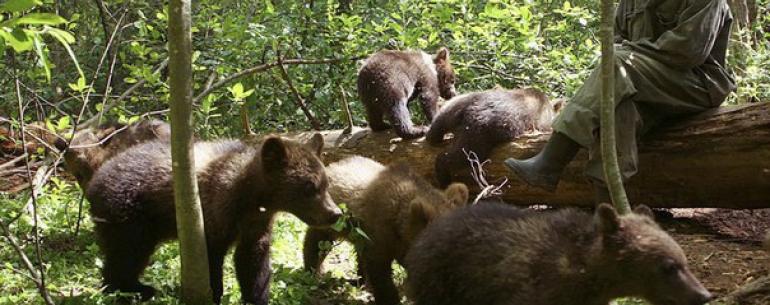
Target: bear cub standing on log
column 495, row 254
column 241, row 188
column 480, row 121
column 388, row 80
column 393, row 205
column 85, row 154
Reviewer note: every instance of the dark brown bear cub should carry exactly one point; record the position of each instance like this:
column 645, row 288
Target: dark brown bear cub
column 494, row 254
column 91, row 147
column 388, row 80
column 393, row 205
column 241, row 188
column 482, row 120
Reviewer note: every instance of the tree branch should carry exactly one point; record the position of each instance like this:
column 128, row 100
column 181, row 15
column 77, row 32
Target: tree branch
column 264, row 67
column 346, row 109
column 298, row 97
column 40, row 275
column 125, row 94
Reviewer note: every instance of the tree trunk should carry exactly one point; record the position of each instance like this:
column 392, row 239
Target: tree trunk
column 189, row 217
column 741, row 13
column 720, row 158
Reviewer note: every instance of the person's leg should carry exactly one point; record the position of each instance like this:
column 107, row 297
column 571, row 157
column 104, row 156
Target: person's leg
column 646, row 92
column 574, row 127
column 628, row 123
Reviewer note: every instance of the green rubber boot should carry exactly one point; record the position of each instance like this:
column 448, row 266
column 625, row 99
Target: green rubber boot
column 544, row 169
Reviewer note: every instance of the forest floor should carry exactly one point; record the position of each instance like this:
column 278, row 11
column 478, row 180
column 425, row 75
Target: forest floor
column 723, row 247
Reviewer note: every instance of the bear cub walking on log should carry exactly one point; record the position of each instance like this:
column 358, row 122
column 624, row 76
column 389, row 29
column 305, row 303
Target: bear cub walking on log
column 86, row 154
column 393, row 205
column 480, row 121
column 388, row 80
column 241, row 188
column 495, row 254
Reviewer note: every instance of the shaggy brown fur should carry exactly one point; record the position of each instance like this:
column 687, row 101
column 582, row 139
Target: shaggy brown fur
column 494, row 254
column 390, row 79
column 482, row 120
column 241, row 188
column 86, row 153
column 393, row 205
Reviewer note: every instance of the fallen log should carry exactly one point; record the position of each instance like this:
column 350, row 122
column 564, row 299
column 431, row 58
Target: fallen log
column 716, row 159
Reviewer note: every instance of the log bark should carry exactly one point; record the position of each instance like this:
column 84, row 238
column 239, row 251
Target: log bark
column 719, row 159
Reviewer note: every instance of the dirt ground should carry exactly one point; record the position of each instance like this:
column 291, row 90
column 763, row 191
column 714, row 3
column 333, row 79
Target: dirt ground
column 724, row 247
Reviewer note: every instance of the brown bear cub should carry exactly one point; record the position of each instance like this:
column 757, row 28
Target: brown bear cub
column 241, row 188
column 392, row 205
column 91, row 147
column 481, row 121
column 388, row 80
column 495, row 254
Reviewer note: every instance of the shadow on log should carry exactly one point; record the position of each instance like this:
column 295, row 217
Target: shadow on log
column 720, row 158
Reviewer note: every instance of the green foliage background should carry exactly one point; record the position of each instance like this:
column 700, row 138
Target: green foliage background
column 549, row 44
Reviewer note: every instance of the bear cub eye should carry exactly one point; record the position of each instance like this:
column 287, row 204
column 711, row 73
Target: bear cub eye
column 670, row 267
column 309, row 187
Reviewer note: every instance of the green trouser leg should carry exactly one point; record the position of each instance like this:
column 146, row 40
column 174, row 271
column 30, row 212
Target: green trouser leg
column 646, row 93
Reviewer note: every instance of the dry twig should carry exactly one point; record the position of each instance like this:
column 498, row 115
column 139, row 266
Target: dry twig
column 40, row 275
column 477, row 172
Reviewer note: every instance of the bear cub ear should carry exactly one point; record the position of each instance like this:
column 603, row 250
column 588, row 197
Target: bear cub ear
column 607, row 219
column 441, row 56
column 644, row 211
column 458, row 194
column 316, row 144
column 421, row 212
column 274, row 154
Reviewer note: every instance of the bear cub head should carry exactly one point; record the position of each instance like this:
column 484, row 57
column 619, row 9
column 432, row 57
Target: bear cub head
column 91, row 147
column 423, row 209
column 298, row 181
column 655, row 265
column 445, row 74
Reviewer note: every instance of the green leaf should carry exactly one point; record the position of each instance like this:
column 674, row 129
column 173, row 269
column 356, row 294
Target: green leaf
column 236, row 90
column 41, row 18
column 13, row 6
column 64, row 38
column 339, row 225
column 362, row 233
column 41, row 56
column 60, row 34
column 18, row 39
column 269, row 7
column 206, row 103
column 63, row 123
column 80, row 85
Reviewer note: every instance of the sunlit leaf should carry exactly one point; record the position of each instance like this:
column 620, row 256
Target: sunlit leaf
column 18, row 39
column 65, row 42
column 40, row 19
column 43, row 59
column 63, row 123
column 13, row 6
column 60, row 34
